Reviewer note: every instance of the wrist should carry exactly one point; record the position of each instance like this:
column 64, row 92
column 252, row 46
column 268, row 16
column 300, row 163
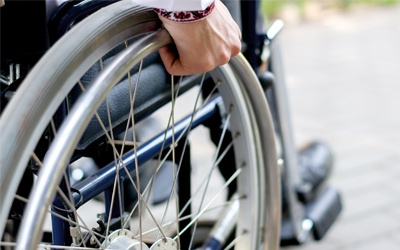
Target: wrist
column 186, row 16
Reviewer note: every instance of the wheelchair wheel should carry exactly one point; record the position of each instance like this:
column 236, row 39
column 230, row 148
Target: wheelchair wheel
column 243, row 108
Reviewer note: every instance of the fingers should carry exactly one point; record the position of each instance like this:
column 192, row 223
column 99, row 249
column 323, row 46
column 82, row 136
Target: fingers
column 202, row 45
column 171, row 61
column 197, row 64
column 168, row 56
column 175, row 66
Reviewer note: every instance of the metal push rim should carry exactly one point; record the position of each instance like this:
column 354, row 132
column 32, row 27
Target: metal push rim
column 238, row 65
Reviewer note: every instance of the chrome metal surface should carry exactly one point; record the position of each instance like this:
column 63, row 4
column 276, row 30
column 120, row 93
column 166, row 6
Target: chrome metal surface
column 271, row 173
column 92, row 39
column 161, row 244
column 243, row 120
column 243, row 91
column 9, row 94
column 3, row 80
column 306, row 226
column 123, row 239
column 291, row 175
column 275, row 28
column 74, row 232
column 58, row 157
column 227, row 221
column 17, row 71
column 11, row 72
column 265, row 51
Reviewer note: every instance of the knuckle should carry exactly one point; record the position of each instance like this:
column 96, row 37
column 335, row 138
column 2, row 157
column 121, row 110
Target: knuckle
column 236, row 48
column 224, row 57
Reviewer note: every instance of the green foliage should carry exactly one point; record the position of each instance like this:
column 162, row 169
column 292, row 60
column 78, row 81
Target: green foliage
column 271, row 8
column 376, row 2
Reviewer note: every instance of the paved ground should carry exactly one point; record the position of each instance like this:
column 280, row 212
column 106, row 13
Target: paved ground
column 343, row 75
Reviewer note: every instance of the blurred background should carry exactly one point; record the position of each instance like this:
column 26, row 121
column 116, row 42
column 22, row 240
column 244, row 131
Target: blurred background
column 342, row 64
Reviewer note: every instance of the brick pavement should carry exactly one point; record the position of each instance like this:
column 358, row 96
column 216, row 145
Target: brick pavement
column 343, row 76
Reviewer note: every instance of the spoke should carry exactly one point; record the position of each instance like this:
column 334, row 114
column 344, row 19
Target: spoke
column 61, row 193
column 76, row 224
column 64, row 218
column 145, row 203
column 67, row 103
column 127, row 143
column 123, row 164
column 117, row 180
column 13, row 244
column 132, row 101
column 68, row 188
column 197, row 191
column 158, row 164
column 205, row 178
column 221, row 139
column 126, row 169
column 233, row 177
column 233, row 242
column 53, row 127
column 169, row 152
column 190, row 216
column 120, row 159
column 173, row 158
column 189, row 126
column 72, row 202
column 147, row 188
column 128, row 174
column 135, row 151
column 35, row 158
column 110, row 139
column 81, row 85
column 226, row 203
column 184, row 146
column 18, row 197
column 194, row 113
column 131, row 113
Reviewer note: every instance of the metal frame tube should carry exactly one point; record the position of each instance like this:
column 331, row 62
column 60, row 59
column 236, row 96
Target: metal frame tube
column 104, row 178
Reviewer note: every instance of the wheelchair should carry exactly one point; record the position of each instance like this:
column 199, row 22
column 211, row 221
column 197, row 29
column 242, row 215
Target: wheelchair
column 93, row 94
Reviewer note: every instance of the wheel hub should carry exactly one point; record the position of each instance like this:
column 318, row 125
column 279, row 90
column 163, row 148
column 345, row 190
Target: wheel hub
column 165, row 244
column 125, row 239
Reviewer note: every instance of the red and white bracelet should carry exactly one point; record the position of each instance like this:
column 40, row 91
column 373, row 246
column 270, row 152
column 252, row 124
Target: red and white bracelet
column 186, row 16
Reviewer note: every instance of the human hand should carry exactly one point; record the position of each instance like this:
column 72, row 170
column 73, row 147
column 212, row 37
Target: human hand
column 203, row 45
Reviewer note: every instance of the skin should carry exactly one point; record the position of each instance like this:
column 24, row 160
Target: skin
column 203, row 45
